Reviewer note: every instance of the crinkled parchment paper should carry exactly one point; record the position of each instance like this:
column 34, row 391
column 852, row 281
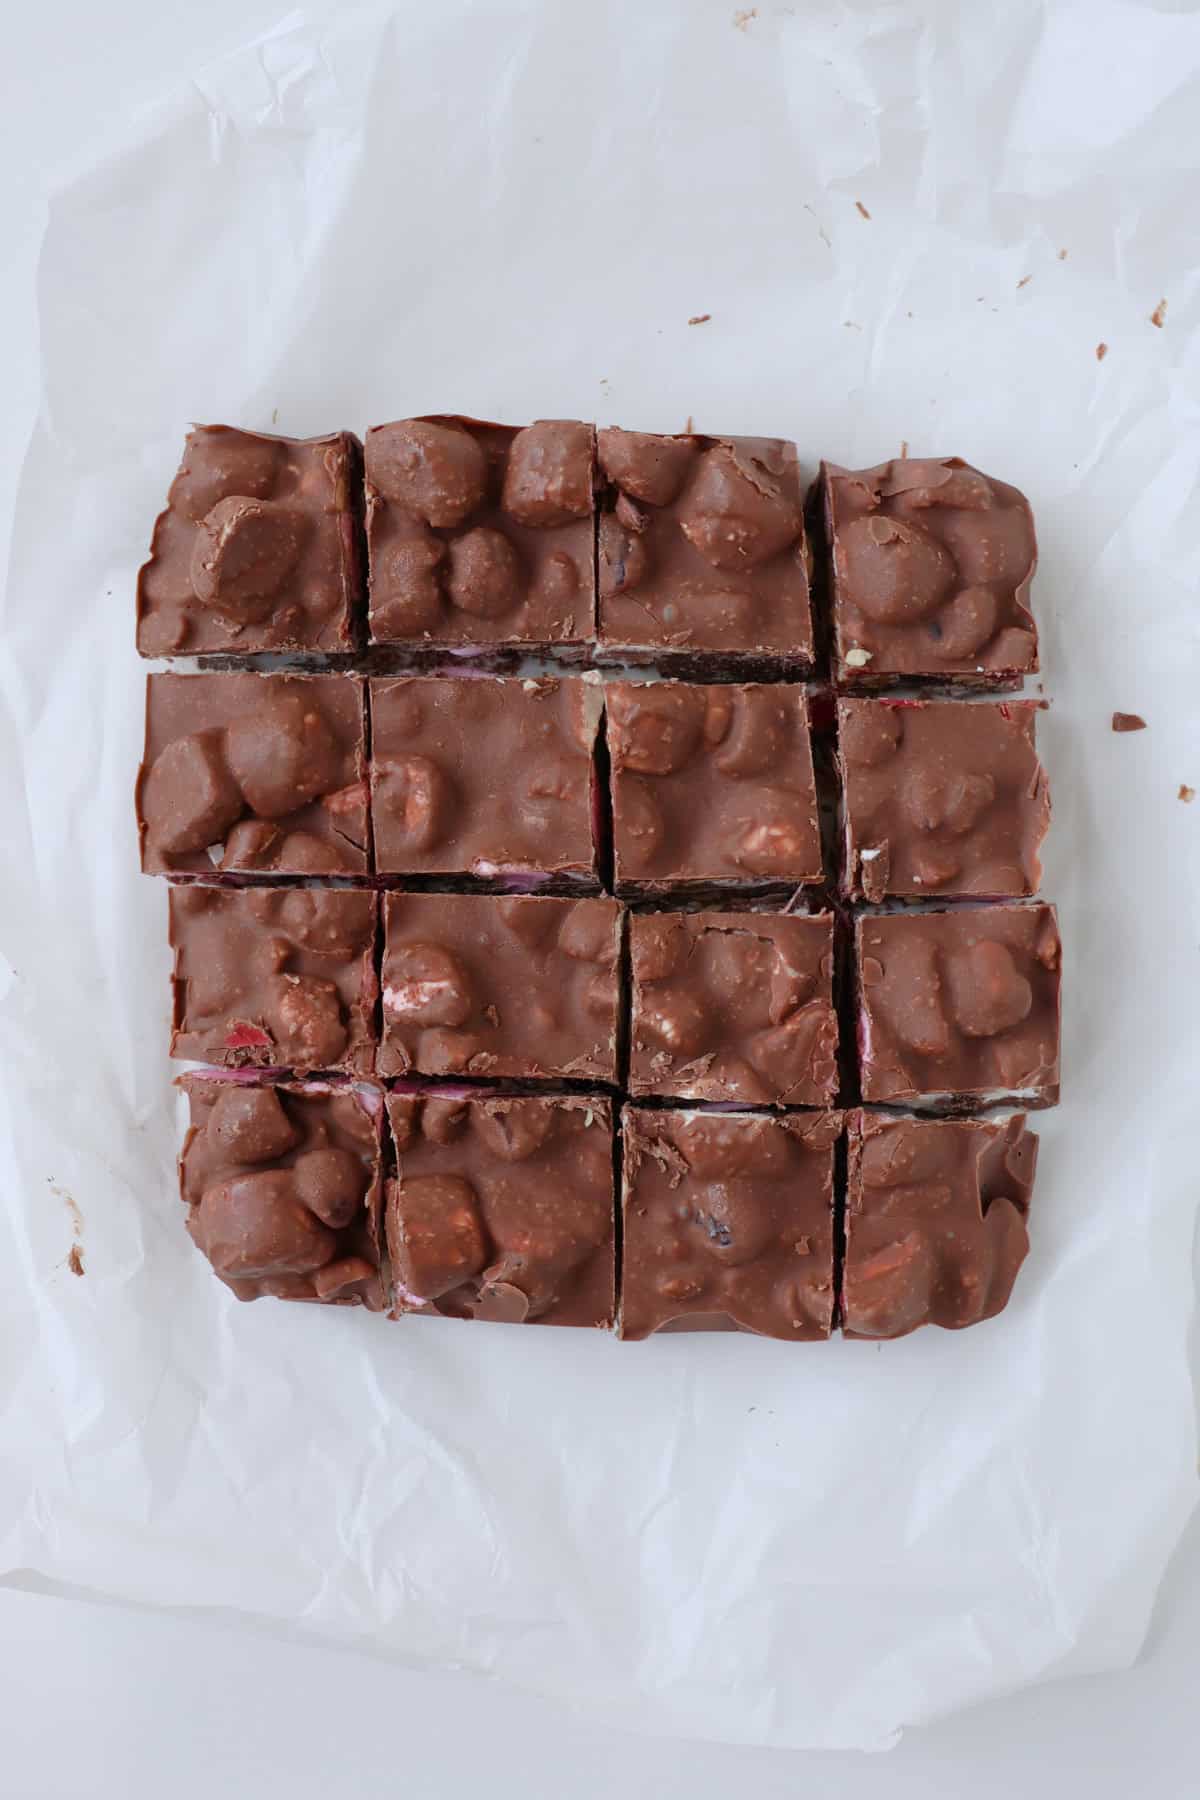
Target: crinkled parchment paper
column 907, row 222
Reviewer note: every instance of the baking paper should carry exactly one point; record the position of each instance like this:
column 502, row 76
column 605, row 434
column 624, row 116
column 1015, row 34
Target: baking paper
column 859, row 225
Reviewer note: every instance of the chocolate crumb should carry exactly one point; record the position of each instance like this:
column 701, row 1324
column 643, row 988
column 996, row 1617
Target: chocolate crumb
column 1101, row 352
column 1186, row 794
column 75, row 1260
column 700, row 319
column 1128, row 722
column 1024, row 281
column 690, row 427
column 1159, row 315
column 904, row 446
column 743, row 20
column 862, row 209
column 1062, row 256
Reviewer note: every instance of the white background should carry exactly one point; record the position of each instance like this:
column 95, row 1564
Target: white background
column 159, row 1704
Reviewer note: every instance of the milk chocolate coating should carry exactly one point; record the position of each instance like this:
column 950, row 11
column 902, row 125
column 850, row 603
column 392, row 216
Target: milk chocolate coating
column 511, row 986
column 728, row 1223
column 958, row 1008
column 282, row 1185
column 702, row 547
column 257, row 548
column 936, row 1215
column 502, row 1207
column 931, row 568
column 481, row 534
column 476, row 775
column 269, row 768
column 711, row 784
column 941, row 797
column 733, row 1007
column 274, row 977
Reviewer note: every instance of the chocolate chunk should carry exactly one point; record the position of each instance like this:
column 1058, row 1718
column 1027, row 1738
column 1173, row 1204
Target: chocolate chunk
column 711, row 785
column 269, row 767
column 733, row 1007
column 529, row 984
column 480, row 535
column 482, row 776
column 274, row 977
column 507, row 1217
column 702, row 549
column 257, row 548
column 941, row 798
column 728, row 1223
column 959, row 1008
column 936, row 1215
column 283, row 1188
column 1128, row 722
column 931, row 568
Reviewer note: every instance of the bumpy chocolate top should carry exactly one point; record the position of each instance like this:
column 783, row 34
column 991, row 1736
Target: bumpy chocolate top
column 509, row 986
column 502, row 1208
column 702, row 546
column 481, row 776
column 712, row 784
column 734, row 1007
column 274, row 977
column 728, row 1223
column 267, row 769
column 962, row 1003
column 932, row 564
column 935, row 1221
column 257, row 548
column 480, row 533
column 941, row 797
column 282, row 1186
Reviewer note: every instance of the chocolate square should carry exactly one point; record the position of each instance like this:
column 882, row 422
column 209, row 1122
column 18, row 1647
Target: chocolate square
column 282, row 1185
column 703, row 556
column 936, row 1214
column 253, row 773
column 711, row 786
column 502, row 986
column 274, row 977
column 480, row 535
column 258, row 548
column 485, row 777
column 733, row 1007
column 728, row 1223
column 941, row 798
column 502, row 1207
column 931, row 568
column 959, row 1009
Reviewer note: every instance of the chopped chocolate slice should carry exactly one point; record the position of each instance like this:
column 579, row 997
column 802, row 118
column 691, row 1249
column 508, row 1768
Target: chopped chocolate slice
column 282, row 1185
column 931, row 568
column 511, row 986
column 711, row 786
column 733, row 1007
column 702, row 550
column 941, row 797
column 502, row 1207
column 258, row 547
column 479, row 776
column 936, row 1215
column 274, row 977
column 728, row 1223
column 253, row 773
column 480, row 535
column 959, row 1009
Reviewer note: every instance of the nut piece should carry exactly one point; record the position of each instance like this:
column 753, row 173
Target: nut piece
column 656, row 726
column 243, row 552
column 254, row 1225
column 735, row 512
column 189, row 798
column 406, row 584
column 439, row 472
column 435, row 1235
column 328, row 921
column 283, row 755
column 331, row 1184
column 424, row 984
column 588, row 932
column 516, row 1129
column 305, row 1015
column 220, row 461
column 548, row 480
column 249, row 1124
column 649, row 467
column 413, row 796
column 892, row 570
column 485, row 576
column 987, row 991
column 763, row 722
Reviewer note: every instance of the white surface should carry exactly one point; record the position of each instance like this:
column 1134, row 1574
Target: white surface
column 440, row 1700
